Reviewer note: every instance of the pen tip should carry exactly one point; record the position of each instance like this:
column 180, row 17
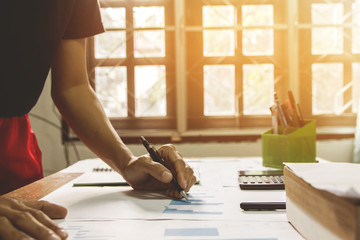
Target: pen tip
column 183, row 193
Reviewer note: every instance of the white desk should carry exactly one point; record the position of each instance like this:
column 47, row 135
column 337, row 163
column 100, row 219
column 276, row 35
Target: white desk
column 214, row 213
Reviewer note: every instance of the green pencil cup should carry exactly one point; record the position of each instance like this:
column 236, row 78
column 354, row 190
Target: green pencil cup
column 298, row 146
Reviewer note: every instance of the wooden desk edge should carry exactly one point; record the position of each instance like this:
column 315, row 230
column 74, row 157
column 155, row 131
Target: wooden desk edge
column 42, row 187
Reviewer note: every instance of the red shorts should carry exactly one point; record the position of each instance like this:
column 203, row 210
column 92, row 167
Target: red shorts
column 20, row 155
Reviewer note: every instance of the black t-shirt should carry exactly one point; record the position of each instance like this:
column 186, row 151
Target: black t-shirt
column 31, row 31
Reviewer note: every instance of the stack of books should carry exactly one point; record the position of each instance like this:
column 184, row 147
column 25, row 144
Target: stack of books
column 323, row 199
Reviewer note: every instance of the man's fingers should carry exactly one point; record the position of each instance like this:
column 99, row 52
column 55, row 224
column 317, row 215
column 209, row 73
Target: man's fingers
column 33, row 211
column 180, row 168
column 191, row 179
column 185, row 174
column 157, row 170
column 179, row 153
column 26, row 222
column 139, row 171
column 173, row 193
column 37, row 211
column 192, row 182
column 9, row 232
column 169, row 153
column 54, row 211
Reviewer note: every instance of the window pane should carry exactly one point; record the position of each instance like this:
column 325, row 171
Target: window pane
column 355, row 86
column 111, row 89
column 147, row 17
column 327, row 40
column 219, row 90
column 110, row 44
column 331, row 13
column 219, row 43
column 258, row 42
column 150, row 91
column 257, row 15
column 356, row 29
column 218, row 16
column 327, row 82
column 113, row 17
column 149, row 43
column 258, row 88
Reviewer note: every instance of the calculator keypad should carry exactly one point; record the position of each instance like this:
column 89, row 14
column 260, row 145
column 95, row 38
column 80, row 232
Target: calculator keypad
column 262, row 182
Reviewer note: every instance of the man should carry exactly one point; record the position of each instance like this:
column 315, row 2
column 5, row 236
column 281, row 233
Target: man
column 39, row 35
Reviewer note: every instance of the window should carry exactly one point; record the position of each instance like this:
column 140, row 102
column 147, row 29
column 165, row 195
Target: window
column 236, row 60
column 132, row 63
column 195, row 65
column 329, row 60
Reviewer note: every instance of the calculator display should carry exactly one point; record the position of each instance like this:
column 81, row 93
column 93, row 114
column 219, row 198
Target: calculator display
column 260, row 172
column 261, row 180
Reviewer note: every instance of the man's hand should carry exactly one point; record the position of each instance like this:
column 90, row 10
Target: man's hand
column 20, row 219
column 143, row 173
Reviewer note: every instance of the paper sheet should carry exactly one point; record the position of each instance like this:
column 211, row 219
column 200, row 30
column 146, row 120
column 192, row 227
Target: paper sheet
column 342, row 179
column 178, row 230
column 126, row 203
column 213, row 213
column 97, row 172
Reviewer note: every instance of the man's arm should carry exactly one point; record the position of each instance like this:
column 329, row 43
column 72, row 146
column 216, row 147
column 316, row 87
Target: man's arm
column 82, row 110
column 79, row 106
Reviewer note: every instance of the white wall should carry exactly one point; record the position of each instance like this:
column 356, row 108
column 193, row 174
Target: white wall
column 49, row 138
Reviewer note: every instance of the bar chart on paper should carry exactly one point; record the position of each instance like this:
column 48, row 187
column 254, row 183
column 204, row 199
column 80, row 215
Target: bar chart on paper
column 212, row 212
column 124, row 203
column 79, row 230
column 178, row 230
column 199, row 203
column 229, row 230
column 201, row 233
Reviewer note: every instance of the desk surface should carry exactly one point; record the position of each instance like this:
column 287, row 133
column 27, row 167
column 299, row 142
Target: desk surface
column 127, row 208
column 46, row 185
column 43, row 187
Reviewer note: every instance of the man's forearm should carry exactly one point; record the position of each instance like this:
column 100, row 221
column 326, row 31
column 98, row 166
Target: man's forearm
column 83, row 112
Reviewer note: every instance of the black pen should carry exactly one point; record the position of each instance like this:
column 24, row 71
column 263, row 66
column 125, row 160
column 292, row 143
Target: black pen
column 157, row 158
column 262, row 205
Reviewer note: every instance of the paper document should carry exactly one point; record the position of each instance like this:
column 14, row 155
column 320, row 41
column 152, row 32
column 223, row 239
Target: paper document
column 342, row 179
column 98, row 173
column 178, row 230
column 212, row 213
column 126, row 203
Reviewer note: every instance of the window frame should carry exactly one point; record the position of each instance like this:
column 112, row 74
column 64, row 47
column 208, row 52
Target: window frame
column 180, row 32
column 348, row 118
column 196, row 119
column 132, row 122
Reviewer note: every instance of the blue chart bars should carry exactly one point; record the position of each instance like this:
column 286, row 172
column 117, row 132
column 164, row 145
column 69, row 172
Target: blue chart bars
column 191, row 232
column 179, row 211
column 197, row 204
column 81, row 232
column 170, row 233
column 193, row 202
